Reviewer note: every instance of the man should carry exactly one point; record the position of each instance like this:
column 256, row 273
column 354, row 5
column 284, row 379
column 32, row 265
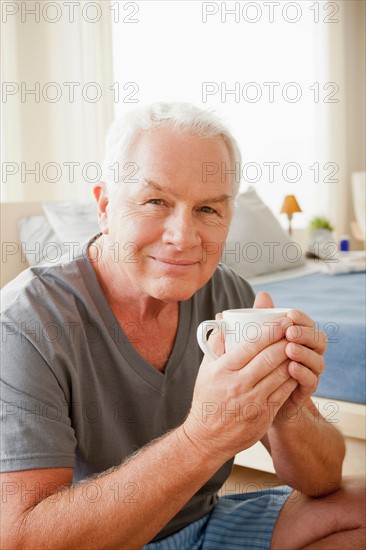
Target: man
column 105, row 441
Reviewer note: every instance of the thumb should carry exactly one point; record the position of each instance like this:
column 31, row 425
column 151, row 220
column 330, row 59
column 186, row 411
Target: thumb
column 263, row 299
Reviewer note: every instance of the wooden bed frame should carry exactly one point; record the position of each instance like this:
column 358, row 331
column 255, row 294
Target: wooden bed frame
column 349, row 418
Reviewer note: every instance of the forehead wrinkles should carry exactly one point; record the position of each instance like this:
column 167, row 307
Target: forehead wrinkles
column 173, row 159
column 167, row 145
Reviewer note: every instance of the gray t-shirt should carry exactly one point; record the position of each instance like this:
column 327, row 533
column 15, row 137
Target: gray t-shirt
column 76, row 393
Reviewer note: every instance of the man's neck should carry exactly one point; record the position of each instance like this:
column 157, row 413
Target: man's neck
column 119, row 291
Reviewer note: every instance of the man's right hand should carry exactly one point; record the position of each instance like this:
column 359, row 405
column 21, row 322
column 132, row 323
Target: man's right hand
column 237, row 396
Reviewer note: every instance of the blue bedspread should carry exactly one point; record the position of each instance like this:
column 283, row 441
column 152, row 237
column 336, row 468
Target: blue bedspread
column 337, row 303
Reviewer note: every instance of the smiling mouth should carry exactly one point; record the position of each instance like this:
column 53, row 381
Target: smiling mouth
column 178, row 263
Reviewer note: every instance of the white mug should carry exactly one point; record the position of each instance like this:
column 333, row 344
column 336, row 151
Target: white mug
column 239, row 324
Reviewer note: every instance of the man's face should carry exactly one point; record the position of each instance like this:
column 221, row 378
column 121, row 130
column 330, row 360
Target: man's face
column 166, row 224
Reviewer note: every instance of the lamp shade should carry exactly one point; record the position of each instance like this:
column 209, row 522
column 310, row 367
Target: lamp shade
column 290, row 205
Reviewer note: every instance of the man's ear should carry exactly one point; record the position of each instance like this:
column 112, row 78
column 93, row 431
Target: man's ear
column 101, row 196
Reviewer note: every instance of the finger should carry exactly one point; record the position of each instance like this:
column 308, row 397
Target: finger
column 265, row 370
column 265, row 363
column 281, row 394
column 308, row 336
column 308, row 381
column 244, row 351
column 263, row 299
column 306, row 356
column 268, row 384
column 300, row 318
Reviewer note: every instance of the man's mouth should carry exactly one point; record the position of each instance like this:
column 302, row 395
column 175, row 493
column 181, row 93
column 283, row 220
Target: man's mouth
column 174, row 262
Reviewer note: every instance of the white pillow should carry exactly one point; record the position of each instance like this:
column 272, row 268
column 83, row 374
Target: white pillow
column 72, row 221
column 256, row 243
column 39, row 241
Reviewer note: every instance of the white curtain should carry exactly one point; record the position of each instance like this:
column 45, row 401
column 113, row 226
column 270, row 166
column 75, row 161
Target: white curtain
column 52, row 141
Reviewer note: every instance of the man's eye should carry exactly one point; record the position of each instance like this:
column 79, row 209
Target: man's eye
column 208, row 210
column 155, row 201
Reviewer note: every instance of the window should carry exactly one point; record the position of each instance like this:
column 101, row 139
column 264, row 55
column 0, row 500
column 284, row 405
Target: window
column 261, row 65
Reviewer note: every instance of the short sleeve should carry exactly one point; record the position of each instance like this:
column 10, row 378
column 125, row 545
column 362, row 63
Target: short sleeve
column 36, row 430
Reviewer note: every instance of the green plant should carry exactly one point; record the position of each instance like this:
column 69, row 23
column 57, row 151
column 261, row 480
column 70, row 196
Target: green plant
column 320, row 222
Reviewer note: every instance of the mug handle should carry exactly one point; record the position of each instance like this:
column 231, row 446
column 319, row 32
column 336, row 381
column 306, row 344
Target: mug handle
column 202, row 340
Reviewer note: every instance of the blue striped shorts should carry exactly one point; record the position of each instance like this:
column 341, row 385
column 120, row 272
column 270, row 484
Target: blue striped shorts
column 237, row 522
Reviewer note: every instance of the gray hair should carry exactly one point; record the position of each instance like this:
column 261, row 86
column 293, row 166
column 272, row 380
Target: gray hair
column 184, row 117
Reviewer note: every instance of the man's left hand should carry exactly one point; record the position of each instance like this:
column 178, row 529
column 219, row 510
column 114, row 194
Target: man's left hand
column 305, row 351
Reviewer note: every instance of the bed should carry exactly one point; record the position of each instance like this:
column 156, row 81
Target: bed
column 335, row 302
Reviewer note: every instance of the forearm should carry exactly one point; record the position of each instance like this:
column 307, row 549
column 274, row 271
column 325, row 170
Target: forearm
column 307, row 451
column 123, row 508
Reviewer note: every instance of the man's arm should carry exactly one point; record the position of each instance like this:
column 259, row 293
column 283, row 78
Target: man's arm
column 122, row 508
column 307, row 451
column 127, row 506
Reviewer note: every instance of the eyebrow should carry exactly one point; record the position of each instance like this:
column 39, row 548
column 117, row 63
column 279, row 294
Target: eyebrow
column 219, row 198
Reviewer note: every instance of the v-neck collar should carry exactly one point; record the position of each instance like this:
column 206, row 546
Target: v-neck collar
column 138, row 363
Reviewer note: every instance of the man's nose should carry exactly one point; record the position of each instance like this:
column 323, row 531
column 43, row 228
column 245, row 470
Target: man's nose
column 181, row 231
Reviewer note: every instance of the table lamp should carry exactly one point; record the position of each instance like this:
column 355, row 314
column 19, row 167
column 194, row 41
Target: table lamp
column 289, row 207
